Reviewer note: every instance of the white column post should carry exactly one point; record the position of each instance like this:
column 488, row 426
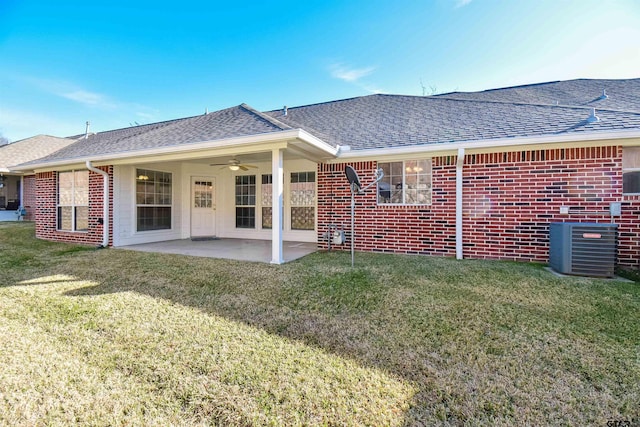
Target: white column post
column 277, row 171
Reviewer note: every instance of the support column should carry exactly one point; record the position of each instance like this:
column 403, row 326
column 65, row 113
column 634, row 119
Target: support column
column 277, row 171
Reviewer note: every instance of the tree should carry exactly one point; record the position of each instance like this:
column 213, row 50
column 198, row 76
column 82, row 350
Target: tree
column 432, row 90
column 4, row 140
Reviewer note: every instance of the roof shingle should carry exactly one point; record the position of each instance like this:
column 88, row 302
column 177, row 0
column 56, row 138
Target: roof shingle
column 387, row 121
column 30, row 149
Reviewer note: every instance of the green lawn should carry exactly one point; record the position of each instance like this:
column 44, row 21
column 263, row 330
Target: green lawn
column 111, row 337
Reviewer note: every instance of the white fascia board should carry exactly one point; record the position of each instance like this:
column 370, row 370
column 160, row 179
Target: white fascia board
column 271, row 137
column 484, row 144
column 12, row 171
column 316, row 142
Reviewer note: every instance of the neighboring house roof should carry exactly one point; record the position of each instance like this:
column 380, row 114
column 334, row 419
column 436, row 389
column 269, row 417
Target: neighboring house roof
column 30, row 149
column 622, row 95
column 390, row 121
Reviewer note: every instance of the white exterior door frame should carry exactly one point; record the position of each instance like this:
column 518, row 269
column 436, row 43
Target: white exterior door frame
column 203, row 206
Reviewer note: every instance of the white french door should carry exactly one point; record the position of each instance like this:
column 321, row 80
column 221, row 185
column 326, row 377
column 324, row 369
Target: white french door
column 203, row 206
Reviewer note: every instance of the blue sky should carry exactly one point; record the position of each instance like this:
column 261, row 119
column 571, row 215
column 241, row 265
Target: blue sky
column 117, row 63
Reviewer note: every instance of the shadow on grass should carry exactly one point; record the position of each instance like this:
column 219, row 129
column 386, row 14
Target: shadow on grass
column 440, row 324
column 318, row 300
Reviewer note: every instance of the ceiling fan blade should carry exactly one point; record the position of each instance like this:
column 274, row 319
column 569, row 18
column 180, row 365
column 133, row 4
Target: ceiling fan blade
column 219, row 164
column 243, row 167
column 249, row 166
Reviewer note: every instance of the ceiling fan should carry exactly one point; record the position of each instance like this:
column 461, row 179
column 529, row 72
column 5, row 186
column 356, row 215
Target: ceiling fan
column 234, row 165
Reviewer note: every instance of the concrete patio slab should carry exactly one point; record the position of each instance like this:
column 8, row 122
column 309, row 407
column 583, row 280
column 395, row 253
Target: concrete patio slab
column 236, row 249
column 8, row 216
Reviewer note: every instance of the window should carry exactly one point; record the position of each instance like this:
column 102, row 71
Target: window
column 303, row 200
column 203, row 194
column 73, row 201
column 267, row 200
column 246, row 201
column 631, row 170
column 405, row 183
column 153, row 200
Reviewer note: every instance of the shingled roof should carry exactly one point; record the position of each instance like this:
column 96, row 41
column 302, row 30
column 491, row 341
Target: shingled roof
column 241, row 120
column 388, row 121
column 30, row 149
column 381, row 121
column 620, row 95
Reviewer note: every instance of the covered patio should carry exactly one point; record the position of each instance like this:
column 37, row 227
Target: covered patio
column 236, row 249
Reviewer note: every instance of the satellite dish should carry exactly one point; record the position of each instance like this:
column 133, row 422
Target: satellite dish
column 356, row 188
column 352, row 177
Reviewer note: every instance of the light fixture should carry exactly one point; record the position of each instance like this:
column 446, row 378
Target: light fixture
column 142, row 177
column 413, row 169
column 234, row 167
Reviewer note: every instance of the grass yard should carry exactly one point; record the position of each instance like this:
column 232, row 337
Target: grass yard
column 110, row 337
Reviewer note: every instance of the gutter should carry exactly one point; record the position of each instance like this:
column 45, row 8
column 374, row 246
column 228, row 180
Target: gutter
column 479, row 144
column 459, row 165
column 290, row 134
column 105, row 203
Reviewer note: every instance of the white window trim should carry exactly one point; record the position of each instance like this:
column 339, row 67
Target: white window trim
column 288, row 205
column 404, row 172
column 260, row 206
column 256, row 206
column 136, row 204
column 73, row 205
column 630, row 170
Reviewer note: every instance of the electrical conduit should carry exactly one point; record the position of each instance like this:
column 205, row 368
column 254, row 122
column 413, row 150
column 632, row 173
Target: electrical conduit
column 459, row 164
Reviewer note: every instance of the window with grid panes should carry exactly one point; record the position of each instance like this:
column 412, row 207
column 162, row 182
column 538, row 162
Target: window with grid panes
column 267, row 200
column 302, row 192
column 153, row 200
column 405, row 183
column 631, row 170
column 245, row 190
column 73, row 200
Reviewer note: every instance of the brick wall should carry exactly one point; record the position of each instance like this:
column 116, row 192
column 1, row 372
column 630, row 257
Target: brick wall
column 428, row 230
column 29, row 196
column 509, row 199
column 46, row 212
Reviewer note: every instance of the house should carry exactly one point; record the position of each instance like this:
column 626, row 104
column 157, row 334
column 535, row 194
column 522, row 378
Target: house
column 471, row 175
column 16, row 188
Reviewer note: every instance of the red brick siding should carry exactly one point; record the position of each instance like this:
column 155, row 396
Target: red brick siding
column 29, row 196
column 401, row 229
column 509, row 199
column 46, row 215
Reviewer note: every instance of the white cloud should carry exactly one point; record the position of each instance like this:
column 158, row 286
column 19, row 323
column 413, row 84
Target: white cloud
column 85, row 97
column 462, row 3
column 69, row 90
column 348, row 74
column 354, row 76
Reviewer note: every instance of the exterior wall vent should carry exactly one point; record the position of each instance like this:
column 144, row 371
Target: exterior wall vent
column 583, row 249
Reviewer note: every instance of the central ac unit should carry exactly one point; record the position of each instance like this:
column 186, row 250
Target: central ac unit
column 583, row 249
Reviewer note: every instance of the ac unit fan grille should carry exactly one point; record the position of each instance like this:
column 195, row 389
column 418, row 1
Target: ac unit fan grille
column 583, row 249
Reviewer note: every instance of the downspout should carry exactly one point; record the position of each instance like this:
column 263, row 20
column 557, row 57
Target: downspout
column 459, row 164
column 21, row 195
column 105, row 203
